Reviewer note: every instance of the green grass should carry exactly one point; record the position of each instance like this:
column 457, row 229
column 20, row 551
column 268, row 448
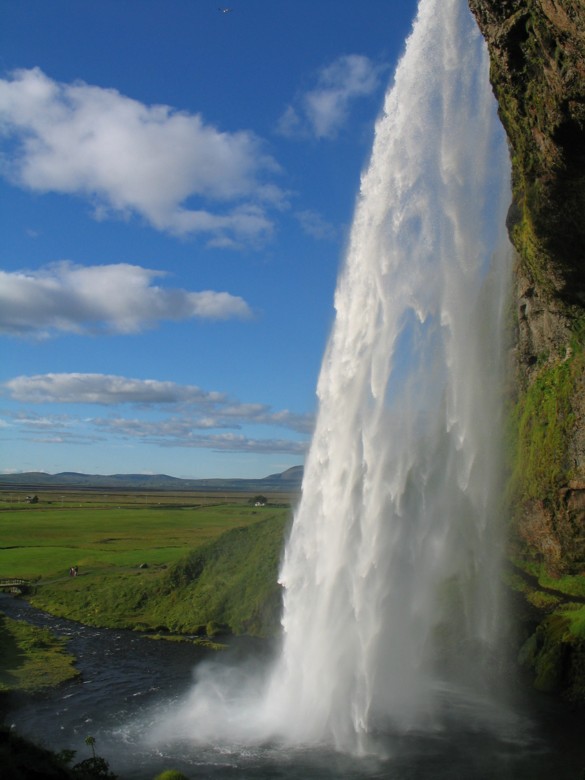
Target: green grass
column 43, row 542
column 227, row 584
column 136, row 564
column 231, row 582
column 31, row 658
column 209, row 570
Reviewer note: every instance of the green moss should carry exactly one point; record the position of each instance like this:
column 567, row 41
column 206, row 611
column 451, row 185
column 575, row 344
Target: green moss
column 32, row 658
column 555, row 653
column 544, row 653
column 529, row 245
column 570, row 585
column 541, row 426
column 575, row 615
column 543, row 601
column 208, row 644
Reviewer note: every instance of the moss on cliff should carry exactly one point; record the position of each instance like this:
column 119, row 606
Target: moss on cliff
column 542, row 422
column 537, row 56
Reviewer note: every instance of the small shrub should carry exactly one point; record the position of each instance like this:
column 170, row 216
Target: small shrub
column 93, row 768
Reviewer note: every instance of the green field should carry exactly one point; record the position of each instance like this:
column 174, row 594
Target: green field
column 135, row 556
column 42, row 541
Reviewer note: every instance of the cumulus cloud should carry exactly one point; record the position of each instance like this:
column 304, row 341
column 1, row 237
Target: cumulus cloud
column 131, row 158
column 118, row 298
column 198, row 418
column 321, row 112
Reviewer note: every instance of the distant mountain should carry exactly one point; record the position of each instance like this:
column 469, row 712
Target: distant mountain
column 289, row 480
column 290, row 476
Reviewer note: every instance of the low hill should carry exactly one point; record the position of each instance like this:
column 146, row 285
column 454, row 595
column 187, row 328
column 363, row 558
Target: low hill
column 289, row 480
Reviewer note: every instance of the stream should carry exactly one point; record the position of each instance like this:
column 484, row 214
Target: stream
column 127, row 680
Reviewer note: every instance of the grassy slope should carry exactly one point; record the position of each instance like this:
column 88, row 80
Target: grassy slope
column 233, row 549
column 228, row 582
column 208, row 569
column 231, row 582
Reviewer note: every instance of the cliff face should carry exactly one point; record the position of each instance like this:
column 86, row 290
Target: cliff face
column 537, row 55
column 538, row 72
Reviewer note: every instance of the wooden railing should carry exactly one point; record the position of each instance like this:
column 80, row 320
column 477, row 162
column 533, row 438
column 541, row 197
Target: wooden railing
column 14, row 585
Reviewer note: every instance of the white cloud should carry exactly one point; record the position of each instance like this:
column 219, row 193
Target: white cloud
column 131, row 158
column 198, row 418
column 213, row 409
column 179, row 432
column 118, row 298
column 49, row 428
column 322, row 111
column 105, row 389
column 235, row 443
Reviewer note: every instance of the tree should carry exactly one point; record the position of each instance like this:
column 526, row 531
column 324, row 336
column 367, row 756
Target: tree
column 90, row 741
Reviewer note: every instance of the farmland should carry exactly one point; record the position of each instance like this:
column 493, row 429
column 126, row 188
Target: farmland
column 127, row 547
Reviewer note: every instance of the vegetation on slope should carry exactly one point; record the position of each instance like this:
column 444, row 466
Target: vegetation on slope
column 177, row 569
column 547, row 538
column 543, row 421
column 228, row 585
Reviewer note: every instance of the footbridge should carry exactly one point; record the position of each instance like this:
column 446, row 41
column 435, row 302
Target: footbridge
column 14, row 585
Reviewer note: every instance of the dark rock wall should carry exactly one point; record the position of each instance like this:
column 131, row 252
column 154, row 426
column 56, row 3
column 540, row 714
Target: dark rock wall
column 537, row 56
column 537, row 50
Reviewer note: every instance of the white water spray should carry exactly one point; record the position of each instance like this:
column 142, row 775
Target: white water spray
column 390, row 569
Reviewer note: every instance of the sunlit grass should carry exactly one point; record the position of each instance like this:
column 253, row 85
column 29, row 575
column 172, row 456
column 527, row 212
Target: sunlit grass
column 128, row 558
column 32, row 658
column 43, row 543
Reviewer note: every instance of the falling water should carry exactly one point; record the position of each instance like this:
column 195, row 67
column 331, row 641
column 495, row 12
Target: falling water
column 390, row 571
column 392, row 546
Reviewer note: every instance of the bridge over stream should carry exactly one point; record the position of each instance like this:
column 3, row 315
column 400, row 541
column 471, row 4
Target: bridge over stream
column 14, row 585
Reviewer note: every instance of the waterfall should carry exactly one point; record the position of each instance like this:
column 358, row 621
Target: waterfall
column 400, row 495
column 390, row 571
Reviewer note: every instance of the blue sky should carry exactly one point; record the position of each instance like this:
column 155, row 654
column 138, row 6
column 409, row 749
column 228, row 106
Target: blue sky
column 176, row 185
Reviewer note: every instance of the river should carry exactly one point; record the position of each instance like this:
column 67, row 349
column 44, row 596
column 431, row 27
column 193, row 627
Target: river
column 127, row 680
